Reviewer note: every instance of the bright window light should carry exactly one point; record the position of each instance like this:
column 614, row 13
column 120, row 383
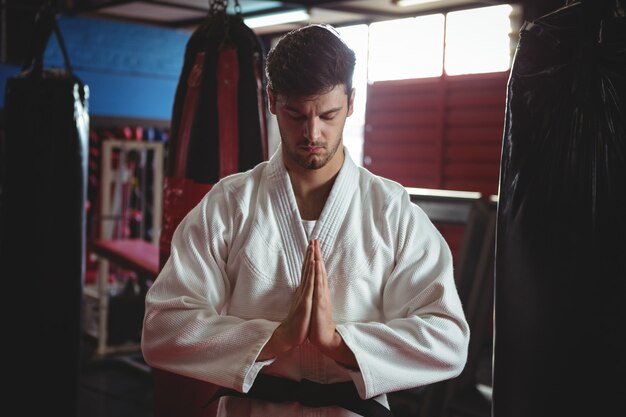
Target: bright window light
column 477, row 40
column 356, row 38
column 406, row 48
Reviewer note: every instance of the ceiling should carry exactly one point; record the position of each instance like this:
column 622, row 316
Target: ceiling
column 187, row 14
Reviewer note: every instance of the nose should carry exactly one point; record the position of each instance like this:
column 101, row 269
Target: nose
column 312, row 129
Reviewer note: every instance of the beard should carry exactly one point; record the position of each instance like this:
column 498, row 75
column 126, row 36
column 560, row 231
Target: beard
column 312, row 161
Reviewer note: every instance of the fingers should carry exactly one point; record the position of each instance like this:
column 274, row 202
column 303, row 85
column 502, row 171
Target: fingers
column 309, row 276
column 311, row 312
column 320, row 286
column 321, row 296
column 317, row 250
column 294, row 329
column 309, row 249
column 306, row 270
column 320, row 266
column 322, row 327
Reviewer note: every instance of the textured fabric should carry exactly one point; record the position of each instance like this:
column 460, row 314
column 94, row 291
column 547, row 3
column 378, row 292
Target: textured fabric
column 235, row 264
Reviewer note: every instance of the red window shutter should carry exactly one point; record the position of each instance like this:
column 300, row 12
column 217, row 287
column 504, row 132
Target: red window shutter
column 443, row 132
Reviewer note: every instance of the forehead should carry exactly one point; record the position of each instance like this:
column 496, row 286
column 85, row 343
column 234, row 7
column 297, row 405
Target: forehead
column 335, row 98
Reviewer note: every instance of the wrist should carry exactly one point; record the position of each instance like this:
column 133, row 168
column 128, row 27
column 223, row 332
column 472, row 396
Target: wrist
column 276, row 345
column 339, row 351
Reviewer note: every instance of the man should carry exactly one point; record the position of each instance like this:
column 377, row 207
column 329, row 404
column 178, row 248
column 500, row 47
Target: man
column 307, row 267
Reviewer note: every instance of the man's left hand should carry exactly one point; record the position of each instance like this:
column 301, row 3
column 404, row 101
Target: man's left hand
column 322, row 330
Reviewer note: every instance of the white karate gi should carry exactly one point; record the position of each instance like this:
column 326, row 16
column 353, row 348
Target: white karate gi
column 236, row 261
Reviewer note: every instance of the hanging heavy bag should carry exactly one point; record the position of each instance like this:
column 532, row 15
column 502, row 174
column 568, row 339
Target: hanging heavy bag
column 219, row 116
column 42, row 230
column 560, row 302
column 218, row 128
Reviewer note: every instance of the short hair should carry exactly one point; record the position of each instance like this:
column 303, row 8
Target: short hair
column 310, row 60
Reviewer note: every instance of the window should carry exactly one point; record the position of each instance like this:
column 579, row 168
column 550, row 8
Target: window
column 474, row 41
column 406, row 48
column 463, row 42
column 477, row 40
column 356, row 37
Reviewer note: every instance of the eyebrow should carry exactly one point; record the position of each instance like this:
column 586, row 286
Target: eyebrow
column 333, row 110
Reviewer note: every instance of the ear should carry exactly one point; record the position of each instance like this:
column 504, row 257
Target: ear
column 351, row 103
column 272, row 100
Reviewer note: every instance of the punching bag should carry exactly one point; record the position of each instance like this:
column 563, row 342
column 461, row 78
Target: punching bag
column 560, row 299
column 42, row 231
column 219, row 122
column 218, row 128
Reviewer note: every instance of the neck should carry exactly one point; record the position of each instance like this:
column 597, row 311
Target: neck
column 312, row 187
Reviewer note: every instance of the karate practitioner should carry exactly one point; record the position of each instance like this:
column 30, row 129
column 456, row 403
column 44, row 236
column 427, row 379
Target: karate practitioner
column 307, row 270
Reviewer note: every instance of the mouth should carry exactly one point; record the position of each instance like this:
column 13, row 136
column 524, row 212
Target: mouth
column 312, row 149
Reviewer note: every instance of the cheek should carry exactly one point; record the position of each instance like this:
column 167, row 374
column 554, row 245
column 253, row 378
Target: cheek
column 293, row 129
column 334, row 129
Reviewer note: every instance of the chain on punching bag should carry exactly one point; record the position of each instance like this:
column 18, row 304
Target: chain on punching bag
column 218, row 128
column 219, row 116
column 560, row 303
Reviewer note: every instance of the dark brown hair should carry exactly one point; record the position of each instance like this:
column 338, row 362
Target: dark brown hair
column 308, row 61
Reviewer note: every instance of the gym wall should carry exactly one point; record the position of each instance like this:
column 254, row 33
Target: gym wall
column 131, row 69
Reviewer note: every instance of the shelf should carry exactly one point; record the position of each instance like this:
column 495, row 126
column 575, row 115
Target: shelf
column 135, row 254
column 120, row 160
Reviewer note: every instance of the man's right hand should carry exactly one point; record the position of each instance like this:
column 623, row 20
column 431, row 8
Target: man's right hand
column 294, row 330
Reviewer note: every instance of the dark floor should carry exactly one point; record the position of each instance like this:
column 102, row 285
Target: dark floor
column 116, row 386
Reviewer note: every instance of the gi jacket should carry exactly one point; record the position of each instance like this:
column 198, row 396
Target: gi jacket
column 235, row 264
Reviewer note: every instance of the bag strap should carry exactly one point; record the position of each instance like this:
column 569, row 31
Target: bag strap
column 45, row 23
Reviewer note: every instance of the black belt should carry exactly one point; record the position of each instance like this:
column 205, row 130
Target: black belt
column 308, row 393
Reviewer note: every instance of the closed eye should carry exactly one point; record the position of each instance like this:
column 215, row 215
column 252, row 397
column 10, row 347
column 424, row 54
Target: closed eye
column 296, row 116
column 328, row 116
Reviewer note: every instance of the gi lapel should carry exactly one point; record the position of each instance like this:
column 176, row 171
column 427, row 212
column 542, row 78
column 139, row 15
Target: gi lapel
column 336, row 207
column 288, row 218
column 289, row 221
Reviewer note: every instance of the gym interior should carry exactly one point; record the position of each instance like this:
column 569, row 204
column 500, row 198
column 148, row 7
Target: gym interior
column 504, row 120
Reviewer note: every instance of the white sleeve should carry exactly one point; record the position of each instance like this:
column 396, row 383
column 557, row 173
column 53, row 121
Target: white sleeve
column 425, row 336
column 183, row 331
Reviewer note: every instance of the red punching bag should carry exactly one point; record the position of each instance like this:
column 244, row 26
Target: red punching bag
column 218, row 128
column 223, row 64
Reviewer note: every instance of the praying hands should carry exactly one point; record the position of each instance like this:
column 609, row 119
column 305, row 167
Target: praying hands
column 310, row 315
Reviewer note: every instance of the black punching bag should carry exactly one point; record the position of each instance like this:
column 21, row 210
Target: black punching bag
column 42, row 232
column 560, row 302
